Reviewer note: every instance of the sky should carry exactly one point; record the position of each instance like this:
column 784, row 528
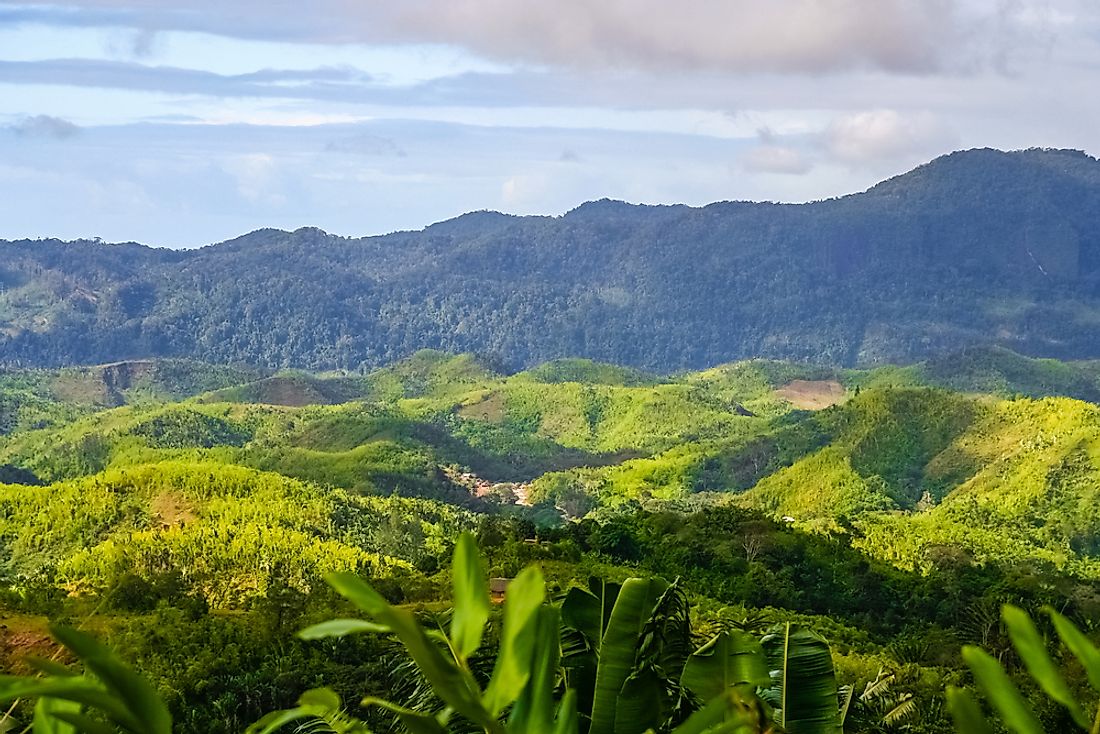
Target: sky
column 180, row 123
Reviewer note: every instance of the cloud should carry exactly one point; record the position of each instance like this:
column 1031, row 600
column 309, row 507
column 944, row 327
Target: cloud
column 776, row 159
column 366, row 144
column 333, row 83
column 44, row 126
column 878, row 136
column 803, row 36
column 770, row 156
column 255, row 175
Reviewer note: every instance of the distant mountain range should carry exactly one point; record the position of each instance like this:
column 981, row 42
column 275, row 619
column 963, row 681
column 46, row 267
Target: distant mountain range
column 975, row 248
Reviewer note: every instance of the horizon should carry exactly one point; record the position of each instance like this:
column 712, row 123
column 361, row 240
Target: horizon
column 546, row 215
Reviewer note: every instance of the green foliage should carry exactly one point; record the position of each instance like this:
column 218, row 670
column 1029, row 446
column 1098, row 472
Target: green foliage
column 228, row 531
column 194, row 533
column 1014, row 711
column 620, row 626
column 121, row 699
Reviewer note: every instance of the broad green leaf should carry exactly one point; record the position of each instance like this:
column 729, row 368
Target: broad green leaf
column 139, row 696
column 633, row 607
column 727, row 659
column 522, row 601
column 79, row 689
column 50, row 667
column 568, row 718
column 581, row 610
column 966, row 713
column 589, row 611
column 446, row 679
column 736, row 710
column 804, row 686
column 847, row 692
column 1001, row 691
column 340, row 628
column 1032, row 649
column 639, row 706
column 276, row 720
column 416, row 722
column 1079, row 645
column 534, row 709
column 323, row 698
column 45, row 715
column 319, row 704
column 84, row 724
column 471, row 597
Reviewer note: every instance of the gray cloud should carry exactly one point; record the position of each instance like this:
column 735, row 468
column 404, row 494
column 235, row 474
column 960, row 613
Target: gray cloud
column 323, row 83
column 366, row 144
column 44, row 126
column 341, row 84
column 803, row 36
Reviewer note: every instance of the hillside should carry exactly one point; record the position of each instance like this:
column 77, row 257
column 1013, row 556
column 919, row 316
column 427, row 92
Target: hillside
column 900, row 451
column 975, row 248
column 190, row 512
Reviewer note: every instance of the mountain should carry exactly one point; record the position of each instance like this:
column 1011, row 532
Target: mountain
column 975, row 248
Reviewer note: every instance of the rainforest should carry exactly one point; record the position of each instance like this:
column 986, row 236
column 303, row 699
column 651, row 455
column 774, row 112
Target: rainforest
column 194, row 519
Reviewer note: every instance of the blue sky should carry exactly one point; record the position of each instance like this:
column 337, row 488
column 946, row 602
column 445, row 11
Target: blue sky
column 183, row 123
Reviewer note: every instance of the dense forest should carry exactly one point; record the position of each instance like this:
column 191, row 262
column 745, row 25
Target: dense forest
column 188, row 516
column 975, row 248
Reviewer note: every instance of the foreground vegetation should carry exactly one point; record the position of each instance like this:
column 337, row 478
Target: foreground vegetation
column 616, row 658
column 189, row 516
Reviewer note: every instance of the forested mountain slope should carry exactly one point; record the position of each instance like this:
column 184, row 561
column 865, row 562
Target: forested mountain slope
column 974, row 248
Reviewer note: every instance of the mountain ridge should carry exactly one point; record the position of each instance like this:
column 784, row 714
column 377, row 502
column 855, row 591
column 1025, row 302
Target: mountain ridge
column 445, row 224
column 975, row 248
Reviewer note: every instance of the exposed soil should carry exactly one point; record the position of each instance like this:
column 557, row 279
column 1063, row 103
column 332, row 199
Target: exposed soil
column 170, row 509
column 490, row 408
column 812, row 394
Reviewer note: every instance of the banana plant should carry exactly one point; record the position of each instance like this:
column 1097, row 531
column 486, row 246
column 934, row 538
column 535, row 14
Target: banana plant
column 879, row 707
column 640, row 631
column 803, row 688
column 634, row 641
column 527, row 692
column 790, row 669
column 1016, row 714
column 526, row 665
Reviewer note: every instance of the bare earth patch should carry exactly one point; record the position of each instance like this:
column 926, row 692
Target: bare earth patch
column 22, row 637
column 490, row 408
column 812, row 394
column 290, row 392
column 170, row 509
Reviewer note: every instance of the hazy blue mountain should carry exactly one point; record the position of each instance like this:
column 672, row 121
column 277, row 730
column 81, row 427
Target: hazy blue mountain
column 975, row 248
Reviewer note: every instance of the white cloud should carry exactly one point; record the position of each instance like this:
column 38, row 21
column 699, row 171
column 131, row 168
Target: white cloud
column 772, row 158
column 255, row 174
column 884, row 136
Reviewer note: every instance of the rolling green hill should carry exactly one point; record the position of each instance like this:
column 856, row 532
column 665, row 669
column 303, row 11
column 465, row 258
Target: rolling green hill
column 897, row 448
column 191, row 521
